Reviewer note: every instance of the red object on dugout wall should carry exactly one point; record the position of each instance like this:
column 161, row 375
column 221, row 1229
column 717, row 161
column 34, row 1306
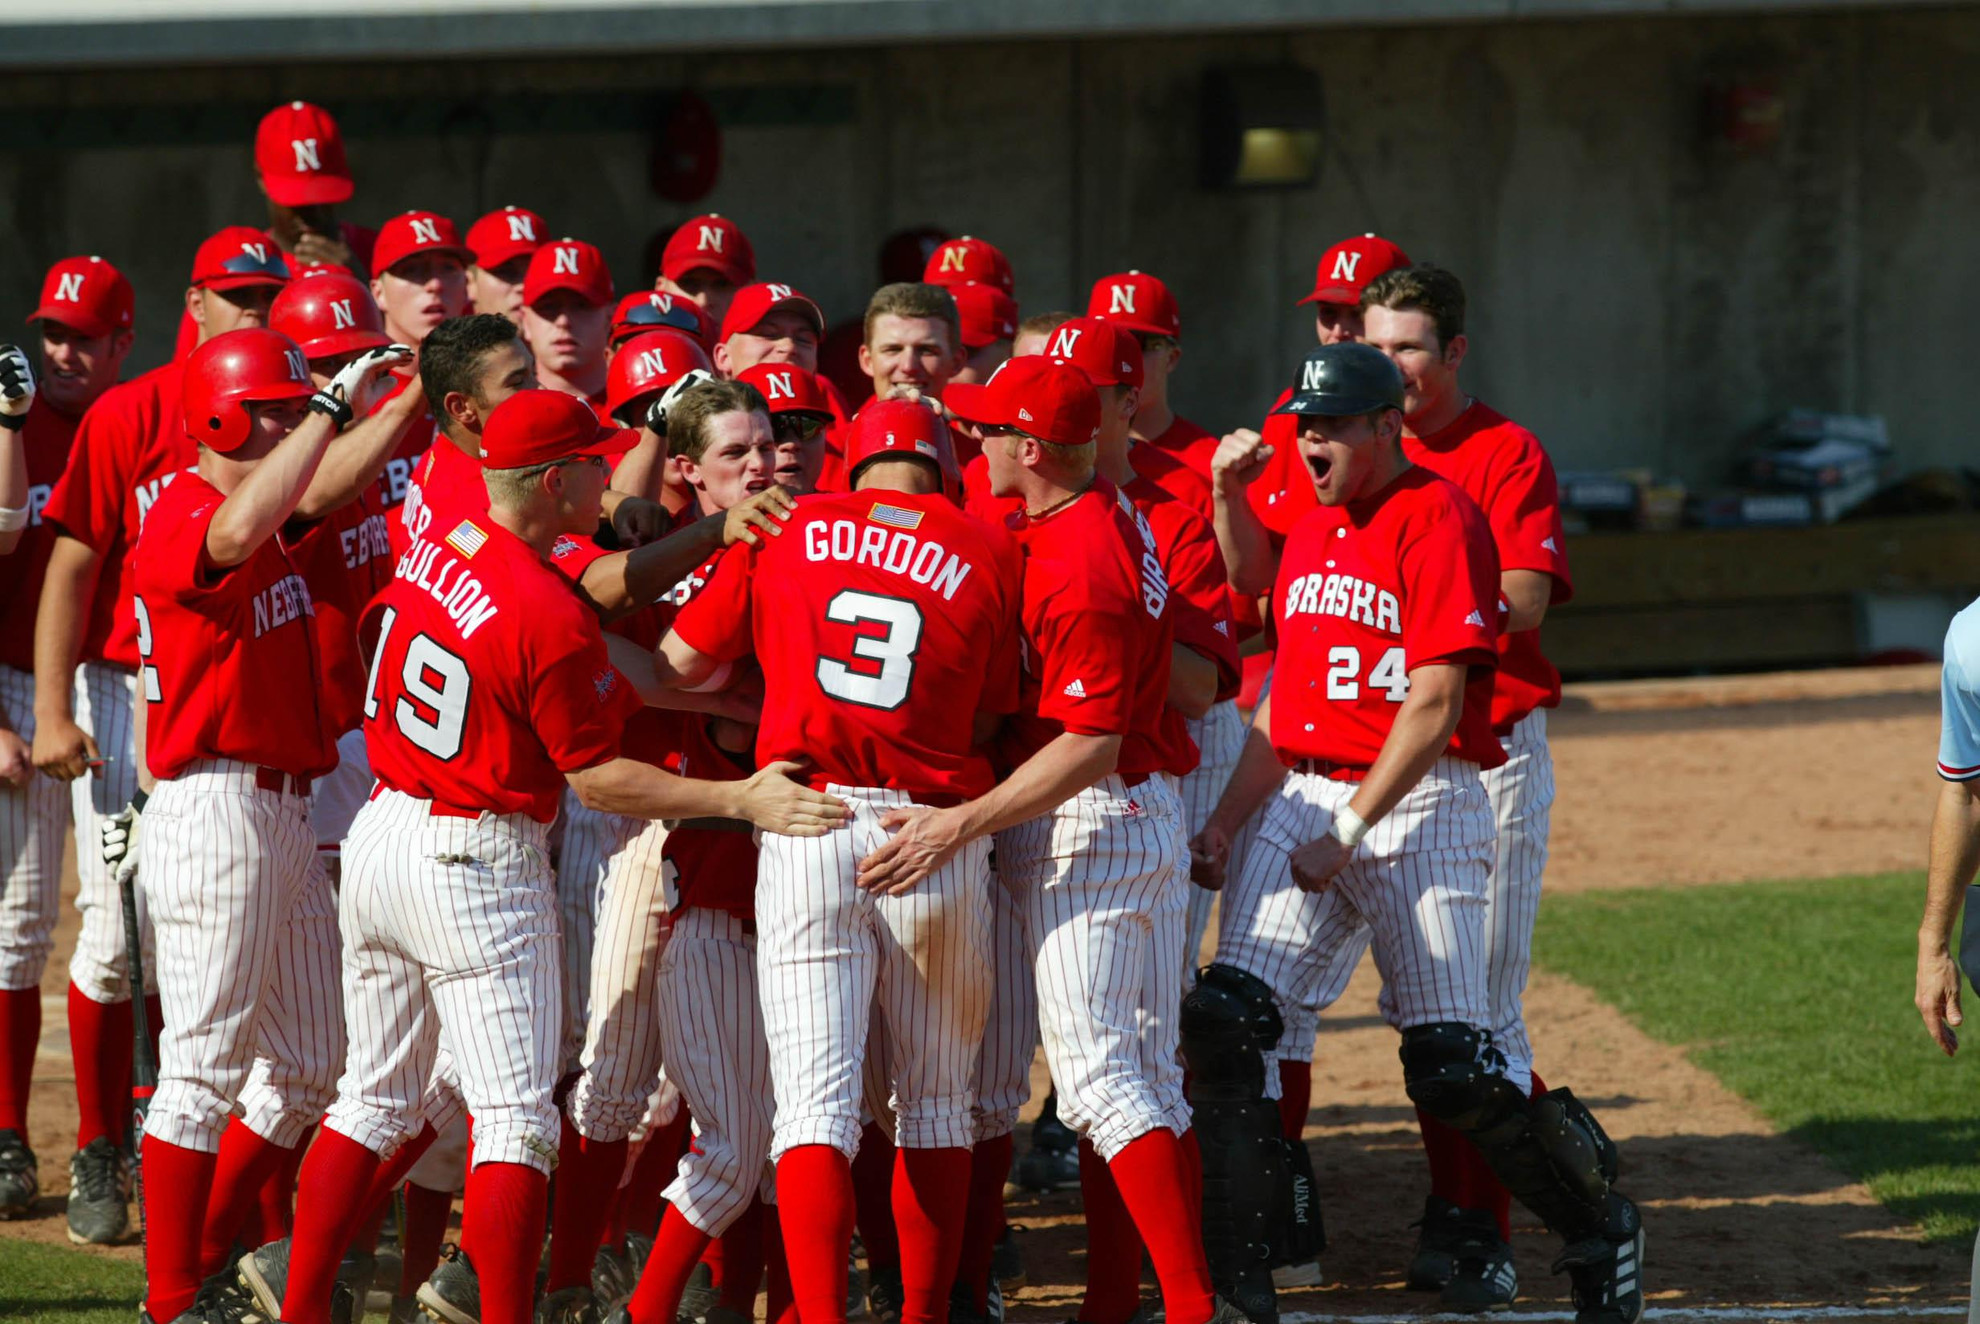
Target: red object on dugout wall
column 686, row 158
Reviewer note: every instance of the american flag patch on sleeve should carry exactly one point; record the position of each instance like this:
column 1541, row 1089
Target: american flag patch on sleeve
column 894, row 517
column 466, row 538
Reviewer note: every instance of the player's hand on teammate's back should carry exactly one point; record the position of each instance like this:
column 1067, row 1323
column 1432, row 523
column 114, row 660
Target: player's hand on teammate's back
column 923, row 841
column 764, row 512
column 775, row 803
column 1239, row 458
column 1938, row 996
column 357, row 383
column 1209, row 855
column 16, row 382
column 16, row 760
column 637, row 522
column 1315, row 864
column 64, row 750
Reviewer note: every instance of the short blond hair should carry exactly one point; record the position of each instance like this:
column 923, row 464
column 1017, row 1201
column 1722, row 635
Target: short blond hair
column 913, row 299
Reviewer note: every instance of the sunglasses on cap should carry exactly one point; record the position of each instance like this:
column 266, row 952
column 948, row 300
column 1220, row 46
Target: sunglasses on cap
column 600, row 461
column 797, row 427
column 645, row 314
column 245, row 263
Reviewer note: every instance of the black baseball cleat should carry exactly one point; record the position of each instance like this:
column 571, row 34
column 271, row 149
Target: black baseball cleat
column 1051, row 1161
column 1482, row 1274
column 568, row 1305
column 453, row 1294
column 1606, row 1269
column 99, row 1194
column 885, row 1296
column 1438, row 1234
column 20, row 1179
column 614, row 1274
column 698, row 1297
column 1007, row 1261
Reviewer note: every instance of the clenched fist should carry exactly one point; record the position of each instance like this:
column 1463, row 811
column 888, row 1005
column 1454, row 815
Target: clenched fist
column 1239, row 458
column 16, row 386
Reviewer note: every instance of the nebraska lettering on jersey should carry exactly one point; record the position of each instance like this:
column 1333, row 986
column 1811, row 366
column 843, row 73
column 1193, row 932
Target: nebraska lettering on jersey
column 284, row 601
column 888, row 545
column 365, row 542
column 1344, row 595
column 450, row 583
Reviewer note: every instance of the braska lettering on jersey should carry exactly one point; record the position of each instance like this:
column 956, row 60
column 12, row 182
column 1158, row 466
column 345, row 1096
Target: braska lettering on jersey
column 395, row 484
column 894, row 551
column 1345, row 595
column 456, row 590
column 285, row 600
column 147, row 494
column 364, row 542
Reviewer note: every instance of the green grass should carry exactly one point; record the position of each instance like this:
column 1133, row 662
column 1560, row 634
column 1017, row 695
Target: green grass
column 51, row 1285
column 1797, row 995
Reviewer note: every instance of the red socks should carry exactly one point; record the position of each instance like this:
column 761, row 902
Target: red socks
column 1153, row 1176
column 247, row 1163
column 336, row 1177
column 588, row 1173
column 20, row 1035
column 421, row 1233
column 100, row 1045
column 1295, row 1097
column 989, row 1165
column 677, row 1248
column 929, row 1220
column 742, row 1261
column 503, row 1231
column 1460, row 1174
column 780, row 1307
column 815, row 1198
column 639, row 1202
column 873, row 1196
column 176, row 1184
column 1113, row 1247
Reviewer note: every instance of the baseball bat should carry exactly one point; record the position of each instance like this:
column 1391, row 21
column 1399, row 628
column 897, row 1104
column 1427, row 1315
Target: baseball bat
column 144, row 1061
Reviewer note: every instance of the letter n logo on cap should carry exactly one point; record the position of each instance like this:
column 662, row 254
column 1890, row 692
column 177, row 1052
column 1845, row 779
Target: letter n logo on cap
column 1311, row 376
column 779, row 293
column 781, row 385
column 520, row 228
column 341, row 315
column 709, row 241
column 952, row 259
column 1346, row 263
column 426, row 230
column 68, row 287
column 1064, row 339
column 306, row 157
column 1121, row 299
column 298, row 365
column 651, row 365
column 564, row 261
column 259, row 252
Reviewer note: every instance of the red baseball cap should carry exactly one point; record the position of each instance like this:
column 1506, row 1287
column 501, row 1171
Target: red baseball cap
column 86, row 293
column 237, row 256
column 537, row 426
column 299, row 154
column 569, row 264
column 1049, row 400
column 1346, row 269
column 505, row 235
column 328, row 312
column 650, row 310
column 787, row 389
column 960, row 261
column 901, row 428
column 711, row 241
column 649, row 362
column 988, row 314
column 753, row 303
column 413, row 232
column 1106, row 351
column 1137, row 301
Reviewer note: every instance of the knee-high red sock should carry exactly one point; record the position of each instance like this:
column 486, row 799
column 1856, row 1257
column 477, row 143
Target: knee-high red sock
column 504, row 1219
column 392, row 1173
column 275, row 1209
column 929, row 1222
column 421, row 1232
column 779, row 1306
column 335, row 1177
column 20, row 1036
column 873, row 1197
column 1295, row 1097
column 1154, row 1180
column 650, row 1175
column 989, row 1165
column 176, row 1184
column 677, row 1248
column 1113, row 1245
column 742, row 1260
column 100, row 1045
column 588, row 1173
column 1446, row 1150
column 815, row 1197
column 246, row 1162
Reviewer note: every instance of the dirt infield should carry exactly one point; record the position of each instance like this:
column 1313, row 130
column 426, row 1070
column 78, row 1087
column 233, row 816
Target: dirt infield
column 1690, row 782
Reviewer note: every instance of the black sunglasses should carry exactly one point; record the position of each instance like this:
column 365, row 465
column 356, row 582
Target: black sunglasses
column 797, row 427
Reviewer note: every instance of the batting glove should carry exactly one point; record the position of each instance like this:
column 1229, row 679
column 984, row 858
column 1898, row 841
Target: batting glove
column 656, row 413
column 16, row 387
column 349, row 392
column 120, row 838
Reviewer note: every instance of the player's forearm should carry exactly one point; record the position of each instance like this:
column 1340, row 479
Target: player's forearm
column 1247, row 546
column 1527, row 594
column 266, row 498
column 1054, row 775
column 1255, row 776
column 13, row 484
column 68, row 586
column 140, row 724
column 640, row 790
column 1192, row 681
column 640, row 469
column 653, row 569
column 1421, row 733
column 1955, row 855
column 359, row 456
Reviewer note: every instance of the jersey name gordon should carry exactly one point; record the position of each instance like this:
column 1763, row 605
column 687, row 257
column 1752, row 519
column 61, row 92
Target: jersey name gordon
column 459, row 594
column 285, row 600
column 1344, row 595
column 894, row 551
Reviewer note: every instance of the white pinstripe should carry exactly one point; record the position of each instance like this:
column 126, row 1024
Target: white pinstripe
column 247, row 949
column 1102, row 879
column 831, row 955
column 1010, row 1033
column 32, row 820
column 1219, row 736
column 105, row 697
column 622, row 1044
column 590, row 842
column 482, row 983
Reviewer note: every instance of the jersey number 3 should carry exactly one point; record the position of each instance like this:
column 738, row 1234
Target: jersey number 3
column 891, row 652
column 434, row 677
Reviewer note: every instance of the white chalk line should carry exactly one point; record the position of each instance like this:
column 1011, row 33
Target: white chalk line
column 1723, row 1314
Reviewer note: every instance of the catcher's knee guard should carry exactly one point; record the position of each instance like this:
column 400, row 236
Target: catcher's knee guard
column 1229, row 1023
column 1550, row 1151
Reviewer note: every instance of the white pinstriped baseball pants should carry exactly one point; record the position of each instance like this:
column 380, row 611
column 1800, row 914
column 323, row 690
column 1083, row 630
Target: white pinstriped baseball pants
column 1219, row 736
column 590, row 841
column 247, row 953
column 623, row 1052
column 829, row 955
column 106, row 696
column 717, row 1054
column 451, row 942
column 32, row 820
column 1102, row 881
column 1010, row 1032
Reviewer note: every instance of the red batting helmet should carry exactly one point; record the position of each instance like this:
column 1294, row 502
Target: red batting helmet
column 898, row 429
column 328, row 313
column 651, row 362
column 232, row 371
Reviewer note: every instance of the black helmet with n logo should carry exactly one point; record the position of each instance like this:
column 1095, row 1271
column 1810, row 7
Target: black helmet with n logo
column 1342, row 380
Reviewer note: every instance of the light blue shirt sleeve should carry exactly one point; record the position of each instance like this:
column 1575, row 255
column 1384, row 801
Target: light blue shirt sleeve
column 1959, row 698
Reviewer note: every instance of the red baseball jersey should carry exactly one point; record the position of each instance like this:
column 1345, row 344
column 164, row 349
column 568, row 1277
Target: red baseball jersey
column 446, row 487
column 1172, row 476
column 1366, row 593
column 1283, row 493
column 1098, row 623
column 47, row 438
column 713, row 868
column 347, row 558
column 489, row 679
column 231, row 667
column 1189, row 443
column 1193, row 564
column 1501, row 467
column 396, row 481
column 130, row 444
column 883, row 621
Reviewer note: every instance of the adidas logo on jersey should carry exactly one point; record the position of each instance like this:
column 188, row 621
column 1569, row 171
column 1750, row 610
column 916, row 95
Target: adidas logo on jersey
column 1474, row 618
column 1550, row 545
column 1075, row 690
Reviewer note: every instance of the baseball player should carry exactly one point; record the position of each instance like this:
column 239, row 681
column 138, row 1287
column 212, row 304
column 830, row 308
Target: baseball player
column 1088, row 832
column 131, row 445
column 645, row 367
column 879, row 615
column 768, row 323
column 480, row 645
column 420, row 282
column 567, row 317
column 300, row 164
column 799, row 416
column 1143, row 304
column 1035, row 330
column 240, row 905
column 500, row 245
column 1953, row 832
column 651, row 310
column 84, row 318
column 1387, row 609
column 706, row 261
column 968, row 260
